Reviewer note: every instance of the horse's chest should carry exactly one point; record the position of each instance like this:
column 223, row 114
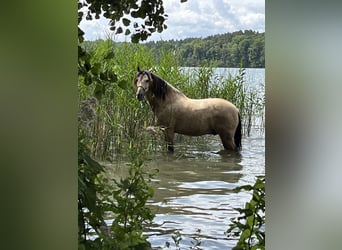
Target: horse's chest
column 165, row 118
column 169, row 116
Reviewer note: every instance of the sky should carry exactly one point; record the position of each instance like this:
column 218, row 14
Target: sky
column 194, row 18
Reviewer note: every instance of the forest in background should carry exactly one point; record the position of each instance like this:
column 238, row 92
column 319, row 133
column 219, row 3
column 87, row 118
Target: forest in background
column 231, row 50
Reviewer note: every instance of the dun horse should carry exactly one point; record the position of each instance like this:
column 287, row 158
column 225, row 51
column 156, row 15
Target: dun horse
column 179, row 114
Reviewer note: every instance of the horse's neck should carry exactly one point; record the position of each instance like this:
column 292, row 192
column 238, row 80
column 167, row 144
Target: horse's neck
column 172, row 95
column 175, row 91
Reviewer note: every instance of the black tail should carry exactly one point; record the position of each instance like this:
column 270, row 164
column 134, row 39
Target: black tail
column 237, row 135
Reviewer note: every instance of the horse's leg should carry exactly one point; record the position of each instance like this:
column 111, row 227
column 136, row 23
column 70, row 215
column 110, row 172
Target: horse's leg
column 169, row 135
column 227, row 141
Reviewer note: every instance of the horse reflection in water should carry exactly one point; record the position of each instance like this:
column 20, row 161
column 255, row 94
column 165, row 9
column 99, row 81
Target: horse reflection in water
column 194, row 117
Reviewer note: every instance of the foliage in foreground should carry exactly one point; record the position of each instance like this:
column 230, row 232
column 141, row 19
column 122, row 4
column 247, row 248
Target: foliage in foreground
column 250, row 225
column 148, row 16
column 123, row 200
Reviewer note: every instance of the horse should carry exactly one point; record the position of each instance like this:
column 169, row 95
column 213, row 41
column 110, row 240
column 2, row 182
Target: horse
column 193, row 117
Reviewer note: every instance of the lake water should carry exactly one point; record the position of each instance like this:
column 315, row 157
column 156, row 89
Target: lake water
column 194, row 191
column 194, row 187
column 253, row 77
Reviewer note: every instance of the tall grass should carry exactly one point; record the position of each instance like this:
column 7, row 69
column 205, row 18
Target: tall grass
column 122, row 119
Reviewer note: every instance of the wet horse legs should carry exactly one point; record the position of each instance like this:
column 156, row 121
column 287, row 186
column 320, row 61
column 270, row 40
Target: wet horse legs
column 169, row 135
column 228, row 141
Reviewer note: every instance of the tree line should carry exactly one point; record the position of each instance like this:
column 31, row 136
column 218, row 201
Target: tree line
column 232, row 50
column 236, row 49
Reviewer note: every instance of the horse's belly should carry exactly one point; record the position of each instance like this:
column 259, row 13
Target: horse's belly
column 194, row 133
column 193, row 129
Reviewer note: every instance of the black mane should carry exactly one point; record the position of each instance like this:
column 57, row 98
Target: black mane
column 159, row 86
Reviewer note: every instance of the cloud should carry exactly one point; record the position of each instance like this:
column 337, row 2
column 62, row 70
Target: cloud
column 94, row 29
column 196, row 18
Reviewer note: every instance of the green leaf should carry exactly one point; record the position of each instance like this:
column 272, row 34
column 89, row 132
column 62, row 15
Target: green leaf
column 87, row 66
column 135, row 14
column 259, row 185
column 250, row 221
column 151, row 30
column 107, row 15
column 88, row 80
column 245, row 234
column 103, row 76
column 135, row 38
column 119, row 30
column 112, row 76
column 126, row 21
column 127, row 32
column 96, row 68
column 110, row 55
column 99, row 91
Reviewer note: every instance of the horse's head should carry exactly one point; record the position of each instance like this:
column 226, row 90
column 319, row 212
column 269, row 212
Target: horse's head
column 146, row 82
column 142, row 83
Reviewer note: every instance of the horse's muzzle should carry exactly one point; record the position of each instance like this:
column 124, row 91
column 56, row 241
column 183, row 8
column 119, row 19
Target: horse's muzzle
column 140, row 93
column 140, row 96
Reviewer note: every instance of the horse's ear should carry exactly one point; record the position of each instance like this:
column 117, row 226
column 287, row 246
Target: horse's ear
column 153, row 69
column 139, row 69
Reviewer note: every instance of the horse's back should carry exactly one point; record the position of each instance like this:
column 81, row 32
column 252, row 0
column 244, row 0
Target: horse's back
column 224, row 111
column 216, row 105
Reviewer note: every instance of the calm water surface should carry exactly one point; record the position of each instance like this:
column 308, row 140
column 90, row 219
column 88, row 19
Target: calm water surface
column 194, row 191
